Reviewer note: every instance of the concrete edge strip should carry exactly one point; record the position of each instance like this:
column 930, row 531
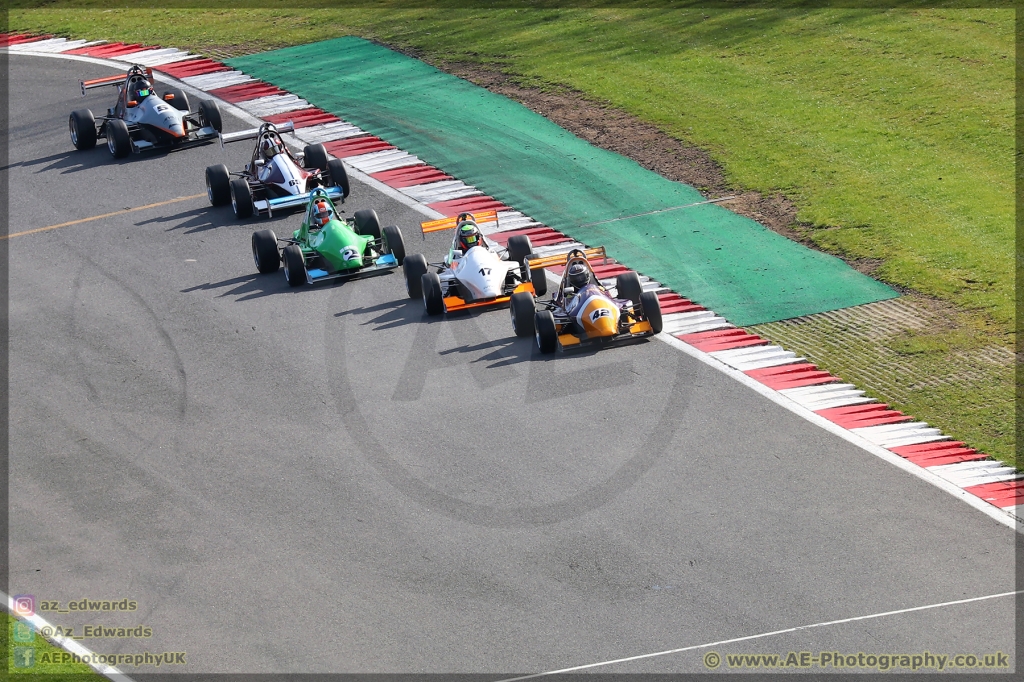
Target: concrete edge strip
column 87, row 656
column 721, row 345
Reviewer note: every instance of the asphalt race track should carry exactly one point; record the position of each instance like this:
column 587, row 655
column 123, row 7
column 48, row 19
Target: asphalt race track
column 319, row 480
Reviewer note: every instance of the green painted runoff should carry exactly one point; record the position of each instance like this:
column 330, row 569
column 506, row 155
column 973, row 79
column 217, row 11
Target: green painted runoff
column 724, row 261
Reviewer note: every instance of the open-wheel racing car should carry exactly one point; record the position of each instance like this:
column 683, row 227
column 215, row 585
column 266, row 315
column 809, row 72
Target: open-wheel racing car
column 472, row 274
column 274, row 178
column 583, row 312
column 327, row 247
column 141, row 120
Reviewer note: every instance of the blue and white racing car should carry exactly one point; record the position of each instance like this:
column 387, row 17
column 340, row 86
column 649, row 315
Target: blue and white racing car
column 274, row 178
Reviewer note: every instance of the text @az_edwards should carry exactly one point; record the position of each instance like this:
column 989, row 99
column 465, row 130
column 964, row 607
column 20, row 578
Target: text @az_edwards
column 97, row 632
column 839, row 660
column 27, row 605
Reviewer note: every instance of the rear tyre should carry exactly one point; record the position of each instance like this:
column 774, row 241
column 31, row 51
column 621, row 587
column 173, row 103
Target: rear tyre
column 294, row 265
column 119, row 141
column 433, row 301
column 264, row 251
column 519, row 247
column 367, row 223
column 339, row 176
column 315, row 156
column 180, row 101
column 627, row 285
column 546, row 333
column 539, row 277
column 414, row 267
column 652, row 309
column 209, row 114
column 218, row 184
column 393, row 243
column 523, row 311
column 82, row 125
column 241, row 198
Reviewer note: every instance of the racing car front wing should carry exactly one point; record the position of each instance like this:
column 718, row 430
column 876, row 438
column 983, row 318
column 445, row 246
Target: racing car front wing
column 267, row 206
column 454, row 303
column 636, row 330
column 379, row 267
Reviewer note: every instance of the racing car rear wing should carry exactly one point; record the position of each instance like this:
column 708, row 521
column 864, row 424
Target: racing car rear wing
column 252, row 133
column 449, row 223
column 597, row 252
column 109, row 80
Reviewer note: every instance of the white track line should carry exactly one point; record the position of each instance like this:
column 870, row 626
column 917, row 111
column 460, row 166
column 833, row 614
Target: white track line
column 68, row 644
column 773, row 633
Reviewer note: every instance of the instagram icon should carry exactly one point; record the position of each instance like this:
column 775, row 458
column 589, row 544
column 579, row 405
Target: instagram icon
column 24, row 605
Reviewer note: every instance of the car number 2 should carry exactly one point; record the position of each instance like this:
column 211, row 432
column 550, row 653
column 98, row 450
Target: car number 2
column 349, row 253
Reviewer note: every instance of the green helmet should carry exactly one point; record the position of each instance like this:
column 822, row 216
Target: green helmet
column 469, row 235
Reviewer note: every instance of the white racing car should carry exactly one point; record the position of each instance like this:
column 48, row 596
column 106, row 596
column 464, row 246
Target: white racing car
column 274, row 178
column 141, row 120
column 474, row 273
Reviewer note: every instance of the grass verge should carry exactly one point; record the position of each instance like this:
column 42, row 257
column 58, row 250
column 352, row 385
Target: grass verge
column 29, row 654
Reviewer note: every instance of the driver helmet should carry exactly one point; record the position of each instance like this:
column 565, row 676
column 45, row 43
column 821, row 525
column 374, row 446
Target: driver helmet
column 469, row 235
column 321, row 214
column 270, row 147
column 579, row 275
column 143, row 89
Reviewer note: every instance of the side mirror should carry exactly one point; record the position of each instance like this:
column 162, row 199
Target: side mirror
column 457, row 253
column 568, row 291
column 260, row 163
column 131, row 104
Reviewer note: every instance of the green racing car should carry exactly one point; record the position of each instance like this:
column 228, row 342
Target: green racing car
column 327, row 247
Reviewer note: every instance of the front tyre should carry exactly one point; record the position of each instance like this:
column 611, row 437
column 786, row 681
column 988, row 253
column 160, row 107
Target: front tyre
column 519, row 247
column 546, row 332
column 218, row 184
column 394, row 243
column 367, row 223
column 315, row 156
column 179, row 99
column 82, row 125
column 209, row 115
column 119, row 141
column 651, row 308
column 339, row 176
column 627, row 285
column 414, row 267
column 523, row 310
column 294, row 265
column 264, row 251
column 241, row 198
column 433, row 300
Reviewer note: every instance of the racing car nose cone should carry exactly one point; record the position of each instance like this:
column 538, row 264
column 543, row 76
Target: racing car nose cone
column 605, row 326
column 600, row 318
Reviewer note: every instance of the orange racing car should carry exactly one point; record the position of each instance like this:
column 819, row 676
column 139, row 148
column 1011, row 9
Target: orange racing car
column 581, row 310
